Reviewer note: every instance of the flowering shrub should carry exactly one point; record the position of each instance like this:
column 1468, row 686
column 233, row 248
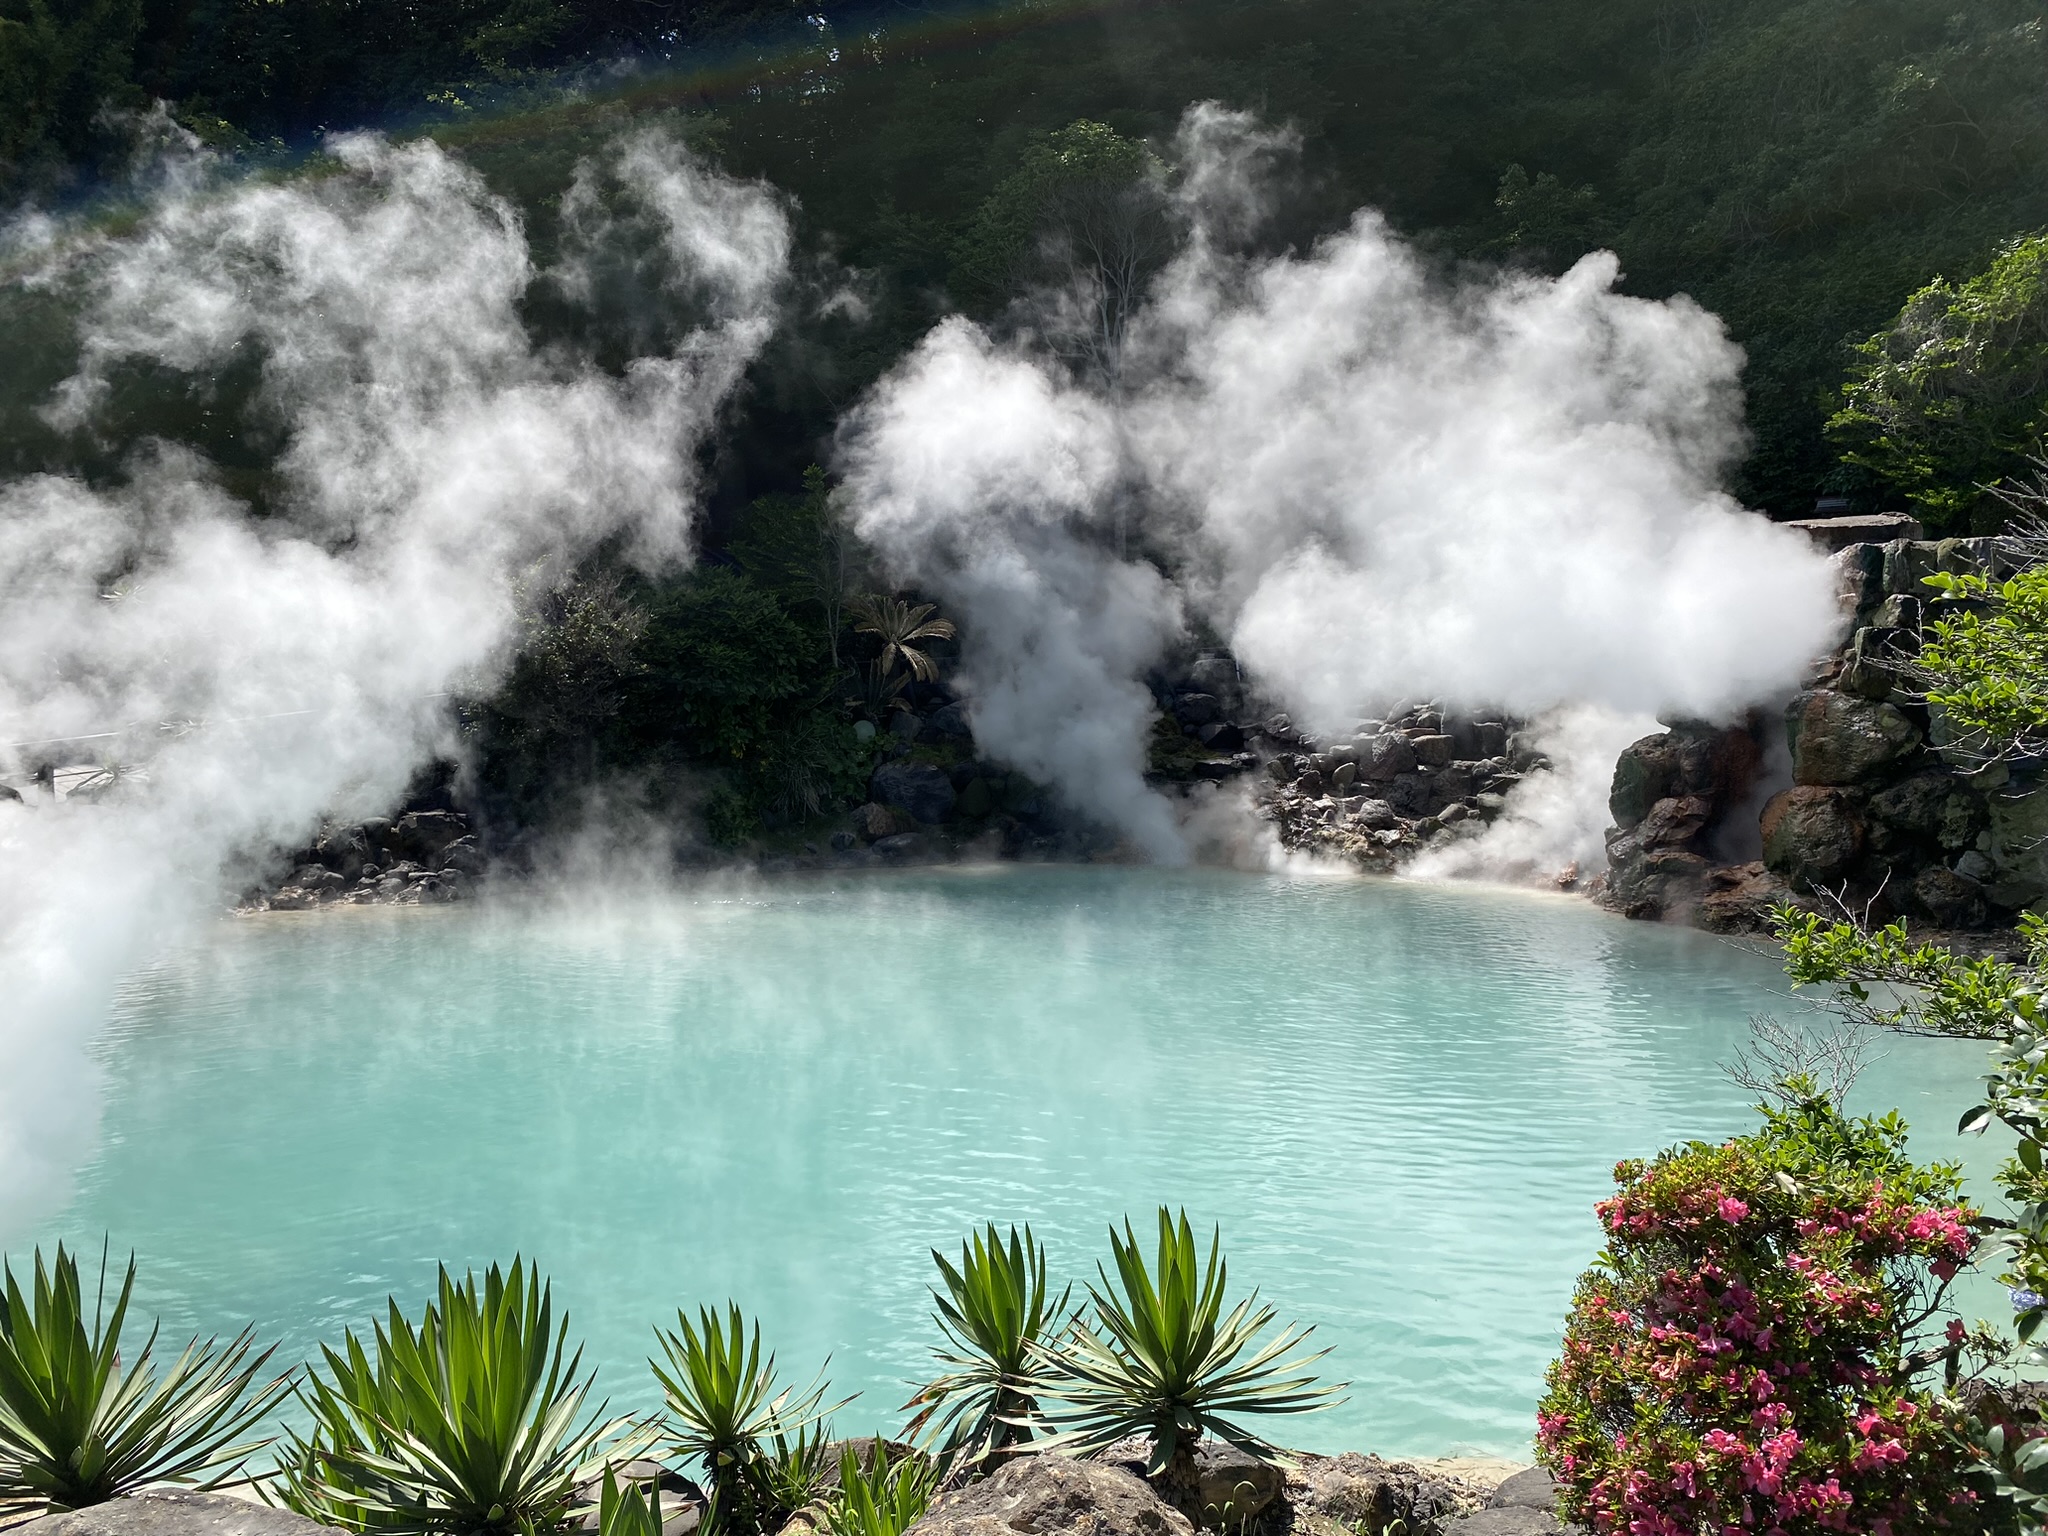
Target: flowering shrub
column 1743, row 1355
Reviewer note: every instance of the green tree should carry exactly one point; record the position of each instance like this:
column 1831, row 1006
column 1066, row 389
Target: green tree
column 61, row 65
column 717, row 658
column 1952, row 397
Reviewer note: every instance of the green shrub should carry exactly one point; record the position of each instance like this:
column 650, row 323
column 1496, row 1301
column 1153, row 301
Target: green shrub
column 1167, row 1362
column 625, row 1511
column 994, row 1315
column 1744, row 1354
column 77, row 1427
column 466, row 1425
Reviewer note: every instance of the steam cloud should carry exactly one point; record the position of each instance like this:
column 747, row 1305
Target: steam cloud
column 1375, row 485
column 434, row 457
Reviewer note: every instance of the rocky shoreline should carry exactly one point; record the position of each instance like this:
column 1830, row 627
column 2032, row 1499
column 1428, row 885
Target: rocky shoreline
column 1351, row 1494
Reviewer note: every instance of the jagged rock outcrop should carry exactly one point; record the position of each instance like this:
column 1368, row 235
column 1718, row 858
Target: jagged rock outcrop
column 1672, row 799
column 1885, row 809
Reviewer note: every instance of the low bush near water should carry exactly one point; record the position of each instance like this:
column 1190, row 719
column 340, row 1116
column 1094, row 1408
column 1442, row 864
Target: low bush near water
column 1747, row 1353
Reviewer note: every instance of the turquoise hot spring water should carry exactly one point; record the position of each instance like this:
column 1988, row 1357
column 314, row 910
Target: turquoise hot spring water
column 1400, row 1101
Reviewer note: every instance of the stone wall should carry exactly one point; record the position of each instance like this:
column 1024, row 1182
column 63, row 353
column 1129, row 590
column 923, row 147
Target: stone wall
column 1882, row 809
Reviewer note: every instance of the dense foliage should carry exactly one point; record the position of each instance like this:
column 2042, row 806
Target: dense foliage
column 1745, row 1353
column 1799, row 168
column 1952, row 396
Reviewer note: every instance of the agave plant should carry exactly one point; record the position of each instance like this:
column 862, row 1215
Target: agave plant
column 1167, row 1362
column 466, row 1424
column 794, row 1466
column 625, row 1511
column 77, row 1428
column 994, row 1316
column 883, row 1499
column 726, row 1406
column 899, row 625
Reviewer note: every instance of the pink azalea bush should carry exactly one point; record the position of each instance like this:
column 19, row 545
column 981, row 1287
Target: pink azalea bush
column 1745, row 1355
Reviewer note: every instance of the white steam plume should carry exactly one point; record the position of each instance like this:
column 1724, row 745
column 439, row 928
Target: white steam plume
column 433, row 457
column 1377, row 486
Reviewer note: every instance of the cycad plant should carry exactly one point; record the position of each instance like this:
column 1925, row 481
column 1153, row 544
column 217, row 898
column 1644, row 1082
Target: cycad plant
column 725, row 1406
column 77, row 1427
column 994, row 1315
column 899, row 625
column 470, row 1424
column 1168, row 1364
column 884, row 1499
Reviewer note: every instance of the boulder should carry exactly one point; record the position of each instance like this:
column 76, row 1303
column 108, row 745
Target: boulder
column 976, row 800
column 1952, row 900
column 1220, row 736
column 904, row 847
column 2019, row 846
column 1837, row 739
column 1811, row 833
column 1310, row 783
column 463, row 855
column 423, row 834
column 950, row 722
column 1343, row 776
column 1433, row 751
column 345, row 850
column 1051, row 1495
column 1365, row 1491
column 1196, row 709
column 1385, row 758
column 874, row 821
column 1233, row 1483
column 1375, row 815
column 922, row 790
column 905, row 725
column 1739, row 899
column 175, row 1512
column 682, row 1502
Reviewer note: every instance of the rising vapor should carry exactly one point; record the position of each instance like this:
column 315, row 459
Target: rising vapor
column 1376, row 485
column 290, row 664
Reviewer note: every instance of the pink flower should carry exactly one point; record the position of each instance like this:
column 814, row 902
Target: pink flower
column 1732, row 1209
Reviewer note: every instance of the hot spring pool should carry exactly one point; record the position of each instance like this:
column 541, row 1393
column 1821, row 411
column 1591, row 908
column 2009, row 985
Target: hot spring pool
column 1400, row 1101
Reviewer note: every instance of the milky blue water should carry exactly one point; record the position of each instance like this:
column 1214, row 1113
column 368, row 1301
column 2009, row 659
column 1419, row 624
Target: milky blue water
column 1399, row 1101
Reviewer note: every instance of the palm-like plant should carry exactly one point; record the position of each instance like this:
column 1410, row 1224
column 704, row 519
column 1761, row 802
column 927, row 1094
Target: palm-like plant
column 726, row 1405
column 884, row 1499
column 1170, row 1365
column 899, row 625
column 76, row 1428
column 466, row 1424
column 994, row 1315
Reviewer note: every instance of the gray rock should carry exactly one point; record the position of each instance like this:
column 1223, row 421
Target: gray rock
column 1220, row 736
column 950, row 722
column 1234, row 1484
column 1193, row 709
column 1832, row 534
column 1342, row 776
column 1505, row 1522
column 905, row 725
column 1433, row 751
column 1385, row 758
column 922, row 790
column 175, row 1513
column 1810, row 835
column 423, row 834
column 1976, row 866
column 1533, row 1489
column 1837, row 739
column 903, row 847
column 1051, row 1495
column 843, row 840
column 1356, row 1490
column 345, row 850
column 2019, row 847
column 463, row 855
column 1952, row 900
column 1376, row 815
